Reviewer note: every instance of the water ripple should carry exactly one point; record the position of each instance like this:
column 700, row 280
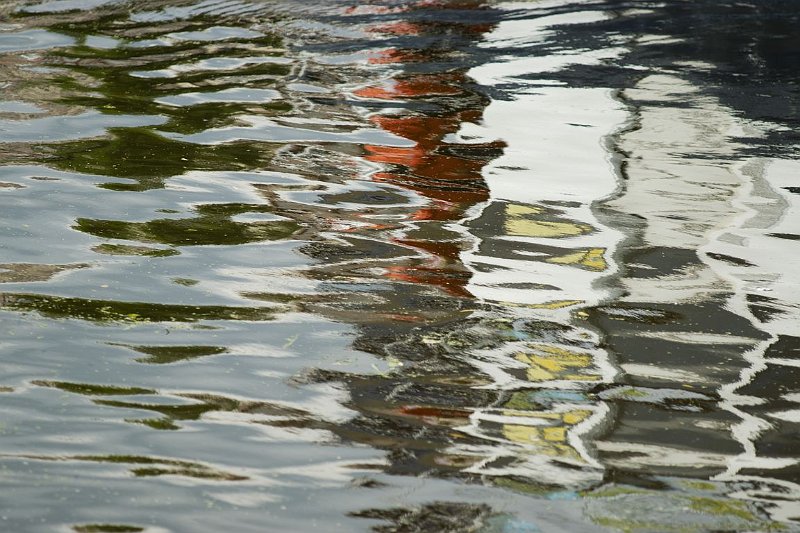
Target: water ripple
column 408, row 266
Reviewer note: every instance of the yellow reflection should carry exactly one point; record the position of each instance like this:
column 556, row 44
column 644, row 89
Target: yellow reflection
column 555, row 304
column 519, row 222
column 548, row 363
column 550, row 439
column 592, row 259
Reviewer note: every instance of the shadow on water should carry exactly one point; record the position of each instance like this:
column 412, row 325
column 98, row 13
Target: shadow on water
column 400, row 266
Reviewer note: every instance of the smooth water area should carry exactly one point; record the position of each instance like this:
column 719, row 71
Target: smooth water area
column 399, row 266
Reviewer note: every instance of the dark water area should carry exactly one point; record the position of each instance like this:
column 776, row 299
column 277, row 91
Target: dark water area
column 399, row 266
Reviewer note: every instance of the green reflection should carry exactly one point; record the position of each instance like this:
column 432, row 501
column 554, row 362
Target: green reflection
column 89, row 389
column 103, row 79
column 124, row 249
column 525, row 486
column 161, row 355
column 110, row 68
column 718, row 507
column 197, row 118
column 696, row 506
column 163, row 424
column 160, row 467
column 212, row 226
column 148, row 158
column 206, row 403
column 114, row 311
column 199, row 473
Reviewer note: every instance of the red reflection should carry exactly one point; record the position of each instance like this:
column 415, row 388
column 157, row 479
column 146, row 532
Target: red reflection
column 449, row 176
column 453, row 183
column 416, row 87
column 400, row 27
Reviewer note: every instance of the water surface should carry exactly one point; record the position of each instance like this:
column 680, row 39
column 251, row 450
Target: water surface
column 399, row 266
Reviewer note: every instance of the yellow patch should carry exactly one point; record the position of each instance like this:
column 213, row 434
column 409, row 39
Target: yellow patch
column 592, row 259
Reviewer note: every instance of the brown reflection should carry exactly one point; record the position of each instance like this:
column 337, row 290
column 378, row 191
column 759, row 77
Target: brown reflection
column 26, row 272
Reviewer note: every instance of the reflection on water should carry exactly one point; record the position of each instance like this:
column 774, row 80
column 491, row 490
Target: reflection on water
column 399, row 266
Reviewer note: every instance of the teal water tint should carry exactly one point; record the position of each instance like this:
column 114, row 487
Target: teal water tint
column 397, row 266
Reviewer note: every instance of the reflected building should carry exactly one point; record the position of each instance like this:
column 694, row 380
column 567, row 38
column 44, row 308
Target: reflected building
column 685, row 328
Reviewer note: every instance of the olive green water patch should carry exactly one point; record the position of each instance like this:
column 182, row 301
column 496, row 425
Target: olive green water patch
column 124, row 249
column 153, row 466
column 721, row 507
column 524, row 486
column 109, row 311
column 163, row 424
column 161, row 355
column 197, row 118
column 148, row 158
column 117, row 79
column 186, row 282
column 204, row 230
column 198, row 473
column 205, row 403
column 120, row 27
column 89, row 389
column 638, row 510
column 192, row 411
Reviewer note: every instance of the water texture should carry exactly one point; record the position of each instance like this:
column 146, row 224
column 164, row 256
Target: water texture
column 399, row 266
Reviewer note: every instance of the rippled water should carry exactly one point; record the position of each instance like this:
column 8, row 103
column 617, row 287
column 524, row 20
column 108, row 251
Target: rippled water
column 434, row 265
